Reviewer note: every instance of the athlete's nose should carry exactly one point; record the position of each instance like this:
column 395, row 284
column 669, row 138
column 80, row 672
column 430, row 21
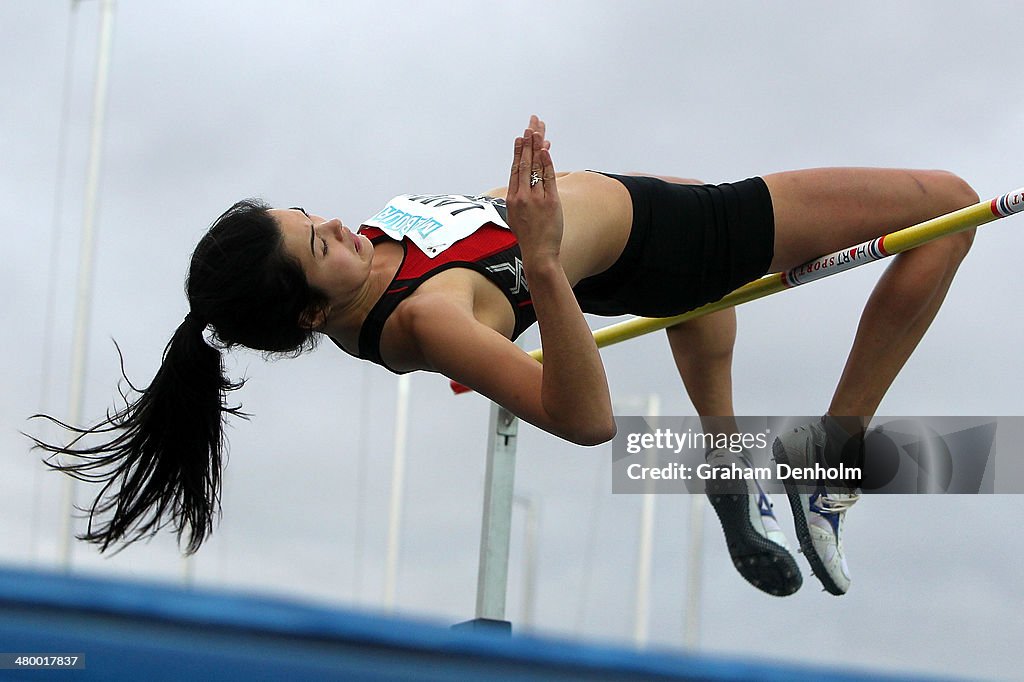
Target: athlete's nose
column 332, row 227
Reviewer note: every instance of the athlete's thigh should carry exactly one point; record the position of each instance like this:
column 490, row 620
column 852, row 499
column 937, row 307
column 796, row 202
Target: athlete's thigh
column 822, row 210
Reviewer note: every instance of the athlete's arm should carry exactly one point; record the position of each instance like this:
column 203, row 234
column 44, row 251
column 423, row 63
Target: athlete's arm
column 452, row 342
column 567, row 395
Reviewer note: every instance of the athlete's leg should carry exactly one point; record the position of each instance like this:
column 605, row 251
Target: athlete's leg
column 820, row 211
column 702, row 349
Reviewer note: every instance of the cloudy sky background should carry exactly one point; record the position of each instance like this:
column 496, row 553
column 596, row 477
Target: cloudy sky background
column 337, row 106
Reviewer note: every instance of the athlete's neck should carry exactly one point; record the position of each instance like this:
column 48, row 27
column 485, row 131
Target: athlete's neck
column 345, row 321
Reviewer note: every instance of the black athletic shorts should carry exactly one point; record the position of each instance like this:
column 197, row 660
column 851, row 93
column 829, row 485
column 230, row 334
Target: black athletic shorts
column 689, row 245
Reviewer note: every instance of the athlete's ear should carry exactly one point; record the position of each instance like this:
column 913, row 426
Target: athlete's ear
column 314, row 317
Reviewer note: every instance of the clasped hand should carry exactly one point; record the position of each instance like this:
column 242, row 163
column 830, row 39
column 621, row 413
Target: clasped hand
column 534, row 210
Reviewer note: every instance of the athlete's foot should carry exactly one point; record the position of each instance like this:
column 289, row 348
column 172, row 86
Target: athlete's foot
column 756, row 543
column 819, row 510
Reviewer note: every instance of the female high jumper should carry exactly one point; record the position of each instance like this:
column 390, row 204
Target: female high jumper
column 445, row 283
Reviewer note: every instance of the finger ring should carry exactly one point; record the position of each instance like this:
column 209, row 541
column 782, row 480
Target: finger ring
column 535, row 178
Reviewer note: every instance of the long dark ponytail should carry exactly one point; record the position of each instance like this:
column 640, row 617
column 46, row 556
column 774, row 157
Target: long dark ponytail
column 162, row 458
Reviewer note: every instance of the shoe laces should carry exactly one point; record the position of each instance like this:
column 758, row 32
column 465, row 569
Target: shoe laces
column 837, row 503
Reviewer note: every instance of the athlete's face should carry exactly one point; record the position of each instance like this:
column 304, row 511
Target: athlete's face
column 335, row 259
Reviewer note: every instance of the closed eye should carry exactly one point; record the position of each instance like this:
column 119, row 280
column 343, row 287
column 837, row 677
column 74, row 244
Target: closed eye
column 312, row 231
column 322, row 240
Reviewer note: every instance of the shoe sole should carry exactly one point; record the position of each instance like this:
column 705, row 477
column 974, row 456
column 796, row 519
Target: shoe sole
column 798, row 503
column 762, row 563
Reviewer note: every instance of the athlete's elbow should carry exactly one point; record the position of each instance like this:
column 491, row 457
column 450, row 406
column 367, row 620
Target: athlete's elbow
column 594, row 432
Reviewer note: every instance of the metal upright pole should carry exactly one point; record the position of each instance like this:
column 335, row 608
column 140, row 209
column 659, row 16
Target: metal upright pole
column 694, row 574
column 56, row 241
column 645, row 547
column 492, row 577
column 86, row 258
column 397, row 492
column 188, row 571
column 529, row 557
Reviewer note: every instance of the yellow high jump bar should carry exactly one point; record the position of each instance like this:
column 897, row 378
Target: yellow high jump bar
column 819, row 268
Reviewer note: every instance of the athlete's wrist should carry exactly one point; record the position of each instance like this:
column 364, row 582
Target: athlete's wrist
column 542, row 267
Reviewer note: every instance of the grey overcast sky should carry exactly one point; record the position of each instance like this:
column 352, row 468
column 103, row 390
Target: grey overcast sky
column 338, row 106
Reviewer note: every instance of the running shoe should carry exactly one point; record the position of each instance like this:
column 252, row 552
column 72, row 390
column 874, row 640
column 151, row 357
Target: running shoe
column 819, row 510
column 756, row 543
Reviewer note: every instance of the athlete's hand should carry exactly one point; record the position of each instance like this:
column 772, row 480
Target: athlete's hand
column 534, row 210
column 537, row 125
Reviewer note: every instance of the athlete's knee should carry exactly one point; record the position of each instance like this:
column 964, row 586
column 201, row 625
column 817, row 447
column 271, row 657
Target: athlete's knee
column 961, row 243
column 707, row 337
column 949, row 251
column 955, row 192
